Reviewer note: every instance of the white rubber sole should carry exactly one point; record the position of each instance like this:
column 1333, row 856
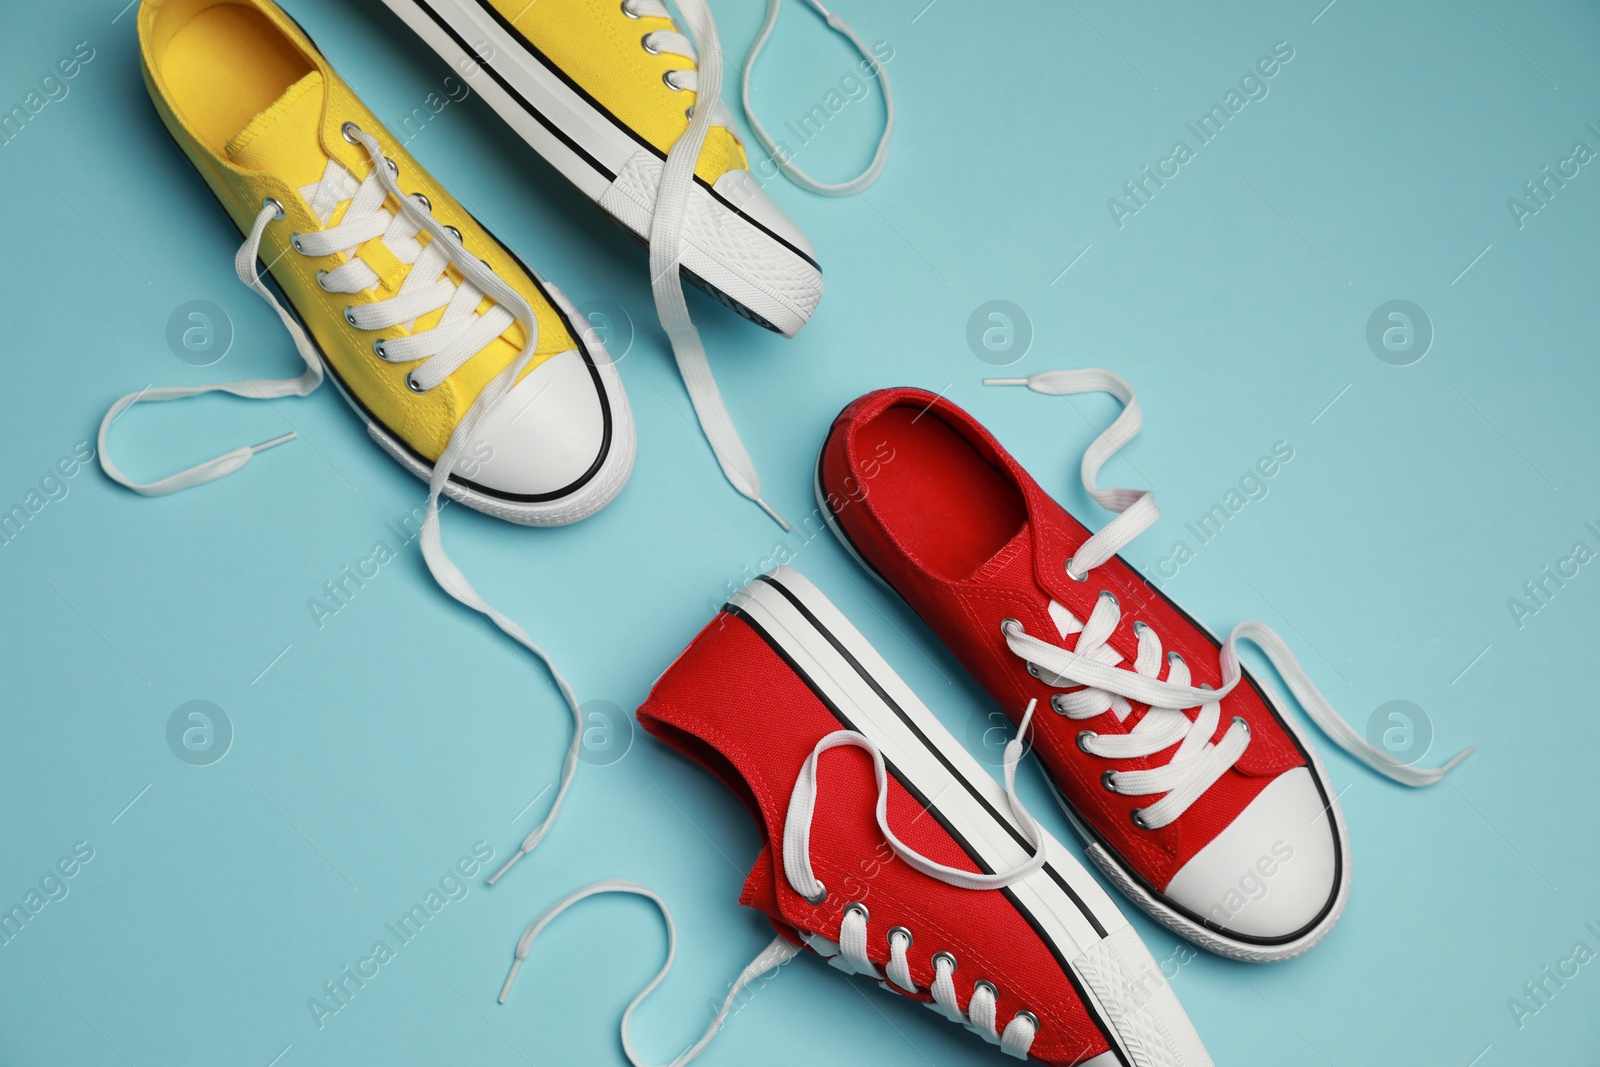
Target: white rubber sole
column 1247, row 951
column 1120, row 983
column 735, row 259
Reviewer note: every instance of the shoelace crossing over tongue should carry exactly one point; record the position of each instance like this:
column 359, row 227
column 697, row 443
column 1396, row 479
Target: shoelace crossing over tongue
column 1197, row 763
column 393, row 262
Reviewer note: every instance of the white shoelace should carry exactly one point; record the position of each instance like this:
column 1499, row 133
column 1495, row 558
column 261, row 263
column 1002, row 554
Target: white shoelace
column 666, row 246
column 849, row 953
column 1197, row 762
column 703, row 46
column 880, row 157
column 778, row 952
column 460, row 334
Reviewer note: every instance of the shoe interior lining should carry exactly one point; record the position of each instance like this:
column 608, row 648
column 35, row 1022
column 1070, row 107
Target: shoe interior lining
column 715, row 762
column 942, row 500
column 226, row 65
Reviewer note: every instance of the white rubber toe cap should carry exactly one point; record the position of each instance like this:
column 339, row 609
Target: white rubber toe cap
column 547, row 435
column 1273, row 872
column 741, row 190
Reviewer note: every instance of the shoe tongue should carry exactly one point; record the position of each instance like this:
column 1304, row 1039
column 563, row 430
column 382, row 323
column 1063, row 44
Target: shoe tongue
column 1014, row 553
column 284, row 138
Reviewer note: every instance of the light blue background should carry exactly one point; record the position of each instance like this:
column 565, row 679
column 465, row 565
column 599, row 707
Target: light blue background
column 379, row 748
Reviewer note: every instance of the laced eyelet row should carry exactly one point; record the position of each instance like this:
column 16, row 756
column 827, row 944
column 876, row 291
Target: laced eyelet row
column 900, row 940
column 352, row 133
column 1010, row 627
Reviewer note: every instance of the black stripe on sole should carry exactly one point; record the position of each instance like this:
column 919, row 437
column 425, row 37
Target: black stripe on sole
column 1099, row 1021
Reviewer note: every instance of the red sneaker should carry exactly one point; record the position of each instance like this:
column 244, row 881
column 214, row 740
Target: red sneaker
column 1193, row 792
column 952, row 894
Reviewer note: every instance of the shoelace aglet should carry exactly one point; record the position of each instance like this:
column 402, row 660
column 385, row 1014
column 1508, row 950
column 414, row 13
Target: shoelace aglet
column 779, row 519
column 1436, row 775
column 1005, row 381
column 1022, row 726
column 275, row 442
column 505, row 990
column 512, row 862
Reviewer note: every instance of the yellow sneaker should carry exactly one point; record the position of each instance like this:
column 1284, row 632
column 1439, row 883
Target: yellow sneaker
column 467, row 371
column 446, row 345
column 602, row 90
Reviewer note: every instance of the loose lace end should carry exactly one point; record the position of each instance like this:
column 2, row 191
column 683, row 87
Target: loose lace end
column 772, row 513
column 505, row 990
column 510, row 863
column 274, row 443
column 1421, row 777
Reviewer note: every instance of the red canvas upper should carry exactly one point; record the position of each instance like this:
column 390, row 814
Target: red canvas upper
column 955, row 525
column 733, row 705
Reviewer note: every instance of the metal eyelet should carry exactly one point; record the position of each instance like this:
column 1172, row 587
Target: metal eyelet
column 1109, row 780
column 322, row 280
column 1006, row 626
column 427, row 205
column 1033, row 669
column 1106, row 594
column 627, row 9
column 688, row 113
column 1137, row 815
column 1030, row 1016
column 1139, row 628
column 1056, row 707
column 822, row 894
column 1085, row 736
column 1074, row 577
column 411, row 384
column 277, row 208
column 900, row 930
column 1173, row 657
column 379, row 349
column 985, row 984
column 294, row 242
column 644, row 42
column 453, row 232
column 351, row 132
column 1240, row 720
column 393, row 167
column 350, row 316
column 1206, row 685
column 937, row 956
column 857, row 906
column 666, row 76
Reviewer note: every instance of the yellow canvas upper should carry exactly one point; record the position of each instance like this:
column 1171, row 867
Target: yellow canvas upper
column 599, row 47
column 259, row 112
